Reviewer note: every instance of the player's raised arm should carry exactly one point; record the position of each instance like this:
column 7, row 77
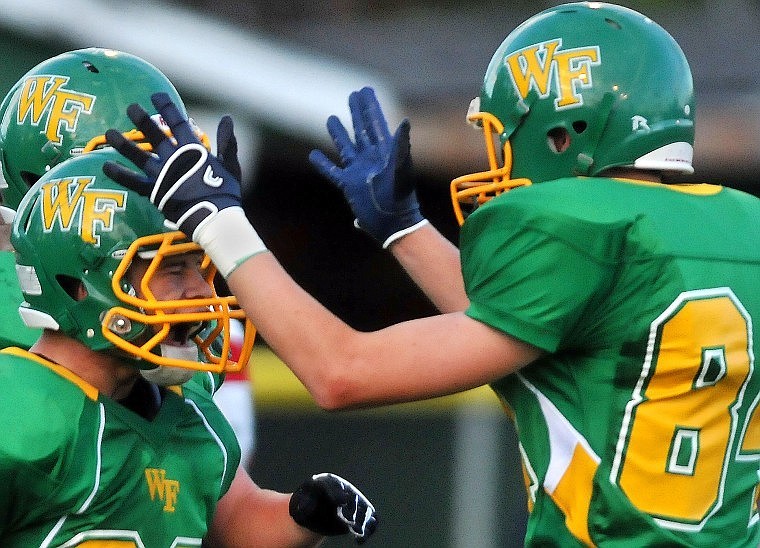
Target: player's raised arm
column 374, row 173
column 340, row 366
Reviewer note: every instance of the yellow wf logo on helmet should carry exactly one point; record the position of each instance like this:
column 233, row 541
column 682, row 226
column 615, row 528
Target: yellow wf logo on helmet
column 45, row 95
column 68, row 202
column 544, row 65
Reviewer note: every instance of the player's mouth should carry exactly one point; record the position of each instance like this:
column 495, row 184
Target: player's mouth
column 181, row 333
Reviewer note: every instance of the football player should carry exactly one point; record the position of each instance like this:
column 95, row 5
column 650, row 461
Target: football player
column 97, row 449
column 611, row 312
column 60, row 109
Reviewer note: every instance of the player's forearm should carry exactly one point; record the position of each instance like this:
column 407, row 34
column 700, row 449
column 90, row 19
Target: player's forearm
column 248, row 515
column 314, row 343
column 344, row 368
column 6, row 220
column 267, row 526
column 433, row 264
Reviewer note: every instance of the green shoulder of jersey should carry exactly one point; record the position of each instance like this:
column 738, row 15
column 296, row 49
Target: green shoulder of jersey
column 13, row 332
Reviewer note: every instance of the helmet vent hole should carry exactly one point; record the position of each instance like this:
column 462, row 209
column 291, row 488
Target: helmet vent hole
column 89, row 66
column 579, row 126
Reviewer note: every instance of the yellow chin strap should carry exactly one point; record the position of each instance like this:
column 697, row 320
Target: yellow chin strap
column 161, row 316
column 476, row 189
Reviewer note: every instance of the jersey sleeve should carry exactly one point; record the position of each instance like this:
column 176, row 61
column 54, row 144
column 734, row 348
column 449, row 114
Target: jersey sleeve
column 534, row 272
column 35, row 455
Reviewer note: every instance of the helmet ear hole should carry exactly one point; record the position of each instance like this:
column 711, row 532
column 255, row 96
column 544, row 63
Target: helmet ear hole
column 558, row 139
column 29, row 178
column 73, row 287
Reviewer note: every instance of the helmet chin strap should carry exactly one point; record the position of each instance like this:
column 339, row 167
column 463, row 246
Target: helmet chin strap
column 164, row 375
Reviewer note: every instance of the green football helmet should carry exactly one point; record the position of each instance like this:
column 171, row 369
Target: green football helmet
column 609, row 84
column 63, row 107
column 76, row 234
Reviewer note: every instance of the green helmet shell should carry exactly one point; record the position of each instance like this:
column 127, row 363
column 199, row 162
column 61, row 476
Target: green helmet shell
column 60, row 105
column 75, row 225
column 617, row 82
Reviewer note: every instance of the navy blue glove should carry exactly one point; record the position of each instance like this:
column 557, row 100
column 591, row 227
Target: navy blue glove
column 227, row 148
column 329, row 505
column 181, row 178
column 375, row 174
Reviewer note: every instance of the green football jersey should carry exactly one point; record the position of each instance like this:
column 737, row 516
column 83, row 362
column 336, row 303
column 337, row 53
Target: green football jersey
column 13, row 332
column 79, row 469
column 641, row 426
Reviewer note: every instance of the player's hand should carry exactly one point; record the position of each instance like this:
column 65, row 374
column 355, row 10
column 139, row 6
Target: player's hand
column 375, row 171
column 227, row 148
column 185, row 182
column 329, row 505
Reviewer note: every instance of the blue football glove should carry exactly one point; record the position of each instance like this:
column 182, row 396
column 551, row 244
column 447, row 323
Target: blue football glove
column 185, row 182
column 191, row 187
column 375, row 174
column 227, row 148
column 329, row 505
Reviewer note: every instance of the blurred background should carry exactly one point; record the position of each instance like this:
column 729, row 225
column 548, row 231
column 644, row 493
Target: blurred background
column 443, row 473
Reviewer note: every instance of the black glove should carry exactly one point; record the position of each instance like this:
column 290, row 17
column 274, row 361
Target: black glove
column 227, row 148
column 186, row 183
column 329, row 505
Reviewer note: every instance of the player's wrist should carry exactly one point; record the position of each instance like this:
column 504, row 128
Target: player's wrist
column 387, row 227
column 398, row 234
column 228, row 238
